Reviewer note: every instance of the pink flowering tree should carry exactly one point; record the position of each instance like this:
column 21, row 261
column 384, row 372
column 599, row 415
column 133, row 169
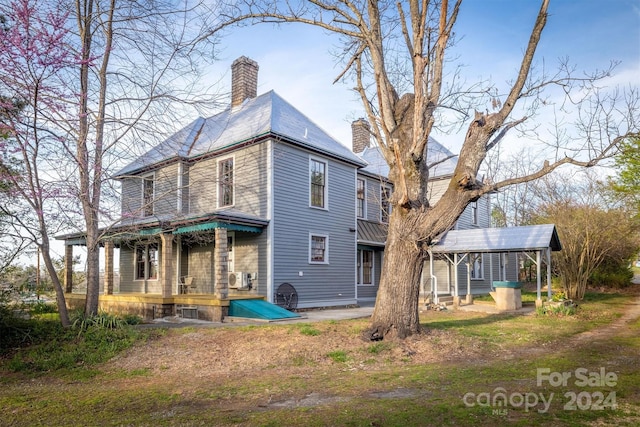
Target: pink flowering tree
column 98, row 81
column 34, row 57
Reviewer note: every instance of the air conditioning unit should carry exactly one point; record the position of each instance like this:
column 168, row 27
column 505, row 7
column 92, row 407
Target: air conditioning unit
column 238, row 280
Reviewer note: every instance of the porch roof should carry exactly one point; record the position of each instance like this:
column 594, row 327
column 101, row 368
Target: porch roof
column 371, row 233
column 508, row 239
column 191, row 224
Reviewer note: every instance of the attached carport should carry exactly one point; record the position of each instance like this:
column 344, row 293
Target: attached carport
column 535, row 241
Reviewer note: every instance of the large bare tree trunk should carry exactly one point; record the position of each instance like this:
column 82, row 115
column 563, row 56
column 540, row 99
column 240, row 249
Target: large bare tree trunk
column 396, row 310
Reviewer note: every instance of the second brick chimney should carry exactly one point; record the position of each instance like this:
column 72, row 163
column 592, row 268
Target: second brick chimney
column 360, row 135
column 244, row 80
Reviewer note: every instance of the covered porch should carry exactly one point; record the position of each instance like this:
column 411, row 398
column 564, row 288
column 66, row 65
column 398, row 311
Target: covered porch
column 158, row 277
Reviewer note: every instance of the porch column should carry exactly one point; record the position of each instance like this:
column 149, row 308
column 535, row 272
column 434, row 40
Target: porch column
column 221, row 258
column 68, row 268
column 166, row 265
column 108, row 267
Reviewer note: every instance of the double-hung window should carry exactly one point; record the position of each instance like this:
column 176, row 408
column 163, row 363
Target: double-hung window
column 365, row 267
column 385, row 205
column 148, row 185
column 361, row 195
column 318, row 249
column 146, row 262
column 477, row 272
column 225, row 182
column 317, row 183
column 474, row 213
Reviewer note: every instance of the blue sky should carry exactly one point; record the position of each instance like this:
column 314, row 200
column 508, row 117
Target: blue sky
column 295, row 60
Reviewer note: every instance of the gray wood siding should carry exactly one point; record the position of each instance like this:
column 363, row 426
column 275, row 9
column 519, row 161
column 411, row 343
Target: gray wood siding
column 165, row 191
column 293, row 221
column 127, row 270
column 250, row 257
column 373, row 199
column 436, row 189
column 202, row 187
column 131, row 196
column 201, row 268
column 484, row 215
column 250, row 182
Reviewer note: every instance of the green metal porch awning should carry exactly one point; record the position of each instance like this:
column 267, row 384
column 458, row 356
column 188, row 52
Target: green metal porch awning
column 216, row 224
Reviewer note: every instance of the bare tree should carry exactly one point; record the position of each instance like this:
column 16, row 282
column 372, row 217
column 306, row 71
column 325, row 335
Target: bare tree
column 397, row 53
column 593, row 232
column 131, row 72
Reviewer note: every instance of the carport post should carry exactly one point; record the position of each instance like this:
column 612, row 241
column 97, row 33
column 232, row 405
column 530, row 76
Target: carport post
column 539, row 282
column 549, row 273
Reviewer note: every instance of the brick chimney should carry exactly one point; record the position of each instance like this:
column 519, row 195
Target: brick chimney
column 244, row 80
column 360, row 135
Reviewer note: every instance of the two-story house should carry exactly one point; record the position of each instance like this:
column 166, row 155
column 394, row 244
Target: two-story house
column 259, row 202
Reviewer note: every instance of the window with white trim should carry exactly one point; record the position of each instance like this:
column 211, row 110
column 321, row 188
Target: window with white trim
column 477, row 272
column 361, row 197
column 225, row 182
column 148, row 189
column 474, row 213
column 385, row 205
column 365, row 267
column 146, row 259
column 317, row 183
column 318, row 249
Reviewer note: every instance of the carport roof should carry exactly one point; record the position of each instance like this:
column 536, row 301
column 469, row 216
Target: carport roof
column 508, row 239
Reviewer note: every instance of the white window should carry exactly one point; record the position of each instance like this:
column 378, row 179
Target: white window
column 474, row 213
column 317, row 183
column 318, row 249
column 225, row 182
column 477, row 272
column 146, row 262
column 365, row 267
column 148, row 189
column 361, row 197
column 385, row 206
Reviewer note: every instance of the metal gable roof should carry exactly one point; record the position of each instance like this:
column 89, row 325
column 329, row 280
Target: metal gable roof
column 265, row 114
column 509, row 239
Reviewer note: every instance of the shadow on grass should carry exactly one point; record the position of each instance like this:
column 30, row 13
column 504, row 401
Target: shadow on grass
column 464, row 323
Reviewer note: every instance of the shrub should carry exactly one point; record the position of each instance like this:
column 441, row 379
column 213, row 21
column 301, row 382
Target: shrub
column 558, row 310
column 615, row 278
column 41, row 307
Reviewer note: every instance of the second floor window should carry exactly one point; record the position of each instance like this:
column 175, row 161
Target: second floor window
column 318, row 183
column 147, row 195
column 474, row 213
column 385, row 205
column 361, row 198
column 225, row 182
